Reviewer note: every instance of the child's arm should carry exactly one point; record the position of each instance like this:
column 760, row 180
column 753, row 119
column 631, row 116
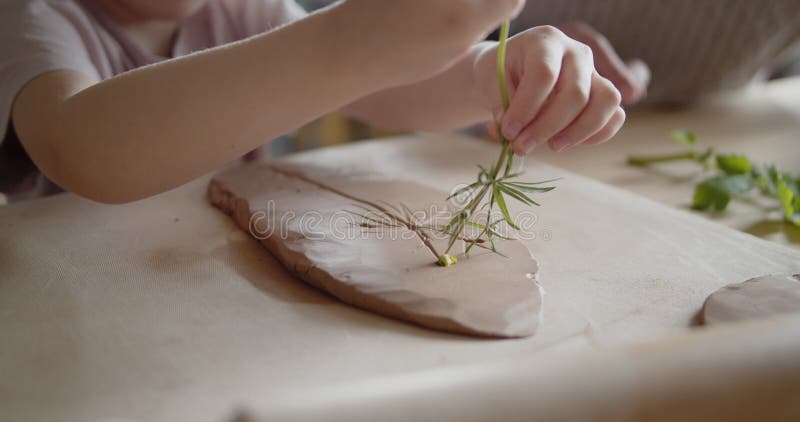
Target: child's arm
column 149, row 130
column 556, row 95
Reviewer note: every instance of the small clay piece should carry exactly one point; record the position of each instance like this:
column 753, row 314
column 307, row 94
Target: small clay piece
column 369, row 243
column 755, row 298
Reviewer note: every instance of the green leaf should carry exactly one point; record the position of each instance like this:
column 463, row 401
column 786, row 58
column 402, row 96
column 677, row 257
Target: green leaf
column 717, row 191
column 527, row 188
column 519, row 196
column 501, row 203
column 538, row 183
column 464, row 189
column 476, row 225
column 456, row 222
column 767, row 179
column 734, row 164
column 509, row 176
column 790, row 201
column 792, row 183
column 683, row 137
column 490, row 230
column 786, row 196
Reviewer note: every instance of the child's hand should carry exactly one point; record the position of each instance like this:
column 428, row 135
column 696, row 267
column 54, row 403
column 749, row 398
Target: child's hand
column 556, row 95
column 405, row 41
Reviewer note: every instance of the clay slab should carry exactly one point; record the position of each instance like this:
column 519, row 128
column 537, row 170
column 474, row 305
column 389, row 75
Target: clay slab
column 338, row 233
column 758, row 297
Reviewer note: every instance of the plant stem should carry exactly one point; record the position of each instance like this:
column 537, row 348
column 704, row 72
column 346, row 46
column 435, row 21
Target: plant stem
column 501, row 64
column 501, row 77
column 504, row 152
column 645, row 160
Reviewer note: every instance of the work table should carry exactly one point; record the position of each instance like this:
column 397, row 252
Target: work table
column 164, row 310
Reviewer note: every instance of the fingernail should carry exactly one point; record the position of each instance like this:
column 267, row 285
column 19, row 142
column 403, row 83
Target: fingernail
column 512, row 130
column 560, row 143
column 497, row 113
column 529, row 145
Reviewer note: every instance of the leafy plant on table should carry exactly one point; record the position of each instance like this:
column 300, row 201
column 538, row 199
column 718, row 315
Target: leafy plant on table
column 498, row 182
column 733, row 176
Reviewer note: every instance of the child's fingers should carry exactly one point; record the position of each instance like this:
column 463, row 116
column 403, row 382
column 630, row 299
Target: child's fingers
column 539, row 78
column 567, row 101
column 603, row 102
column 609, row 130
column 491, row 132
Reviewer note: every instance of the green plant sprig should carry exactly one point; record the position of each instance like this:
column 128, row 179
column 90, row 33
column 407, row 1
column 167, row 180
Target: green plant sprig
column 496, row 181
column 684, row 138
column 733, row 176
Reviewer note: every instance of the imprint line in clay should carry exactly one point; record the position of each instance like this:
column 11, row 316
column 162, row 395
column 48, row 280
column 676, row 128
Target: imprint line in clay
column 407, row 223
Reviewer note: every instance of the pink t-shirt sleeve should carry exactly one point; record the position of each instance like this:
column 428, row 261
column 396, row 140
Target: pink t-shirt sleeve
column 36, row 38
column 258, row 16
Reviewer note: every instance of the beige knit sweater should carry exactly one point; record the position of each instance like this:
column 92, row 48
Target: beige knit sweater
column 693, row 47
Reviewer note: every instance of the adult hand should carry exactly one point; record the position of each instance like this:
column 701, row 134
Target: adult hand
column 631, row 77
